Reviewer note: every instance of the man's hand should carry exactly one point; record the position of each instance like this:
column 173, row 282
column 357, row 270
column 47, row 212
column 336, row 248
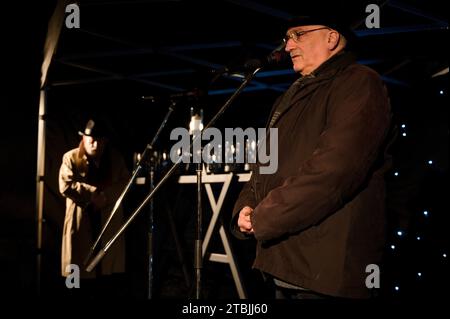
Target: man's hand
column 244, row 222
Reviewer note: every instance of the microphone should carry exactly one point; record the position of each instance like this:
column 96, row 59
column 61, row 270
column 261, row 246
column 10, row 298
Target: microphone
column 275, row 57
column 195, row 93
column 187, row 94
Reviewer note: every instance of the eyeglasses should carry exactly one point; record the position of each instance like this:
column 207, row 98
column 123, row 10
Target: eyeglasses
column 296, row 35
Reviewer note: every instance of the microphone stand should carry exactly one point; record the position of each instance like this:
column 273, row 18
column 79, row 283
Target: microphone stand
column 198, row 257
column 169, row 173
column 137, row 170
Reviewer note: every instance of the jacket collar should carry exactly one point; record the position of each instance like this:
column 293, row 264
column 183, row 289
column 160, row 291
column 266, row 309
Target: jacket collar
column 308, row 83
column 332, row 66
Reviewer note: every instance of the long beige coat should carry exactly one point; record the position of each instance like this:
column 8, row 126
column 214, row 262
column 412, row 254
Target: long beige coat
column 77, row 232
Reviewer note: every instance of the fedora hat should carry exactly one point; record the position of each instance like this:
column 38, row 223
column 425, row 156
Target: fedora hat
column 333, row 21
column 95, row 128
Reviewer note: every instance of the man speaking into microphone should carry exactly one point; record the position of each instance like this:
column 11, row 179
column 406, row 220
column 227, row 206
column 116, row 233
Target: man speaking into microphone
column 319, row 219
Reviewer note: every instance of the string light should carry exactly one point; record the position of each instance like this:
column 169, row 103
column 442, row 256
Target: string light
column 424, row 215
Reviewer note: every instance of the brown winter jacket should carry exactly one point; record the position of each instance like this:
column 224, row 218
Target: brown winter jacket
column 320, row 219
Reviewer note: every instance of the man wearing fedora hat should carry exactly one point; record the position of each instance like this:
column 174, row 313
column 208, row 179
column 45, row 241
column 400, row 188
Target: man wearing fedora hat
column 91, row 179
column 319, row 220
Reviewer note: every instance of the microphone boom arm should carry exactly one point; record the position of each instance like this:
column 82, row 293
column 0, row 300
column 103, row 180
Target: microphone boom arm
column 139, row 167
column 105, row 249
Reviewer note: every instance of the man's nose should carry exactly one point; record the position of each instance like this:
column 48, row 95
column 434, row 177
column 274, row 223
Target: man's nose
column 289, row 45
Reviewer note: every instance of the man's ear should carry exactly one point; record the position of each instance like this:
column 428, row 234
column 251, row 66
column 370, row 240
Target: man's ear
column 333, row 40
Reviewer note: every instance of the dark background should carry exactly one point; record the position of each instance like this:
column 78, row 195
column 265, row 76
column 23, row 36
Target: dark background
column 128, row 49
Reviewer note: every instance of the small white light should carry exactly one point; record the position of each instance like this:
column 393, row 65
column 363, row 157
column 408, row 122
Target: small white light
column 403, row 125
column 441, row 92
column 399, row 233
column 396, row 173
column 396, row 288
column 404, row 134
column 392, row 247
column 419, row 274
column 425, row 213
column 444, row 255
column 418, row 237
column 430, row 162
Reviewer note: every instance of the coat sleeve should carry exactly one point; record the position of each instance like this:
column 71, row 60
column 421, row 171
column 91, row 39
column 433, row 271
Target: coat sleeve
column 79, row 192
column 246, row 198
column 358, row 120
